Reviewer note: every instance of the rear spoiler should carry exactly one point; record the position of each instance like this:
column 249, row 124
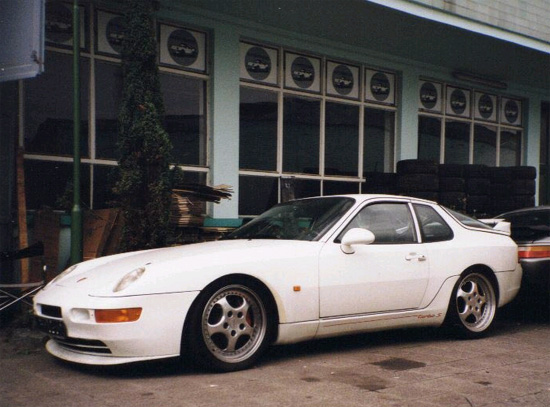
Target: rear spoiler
column 500, row 225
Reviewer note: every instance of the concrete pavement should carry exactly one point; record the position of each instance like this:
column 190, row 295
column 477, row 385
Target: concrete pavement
column 418, row 367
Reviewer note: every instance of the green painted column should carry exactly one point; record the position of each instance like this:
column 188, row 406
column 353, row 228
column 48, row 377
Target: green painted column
column 76, row 212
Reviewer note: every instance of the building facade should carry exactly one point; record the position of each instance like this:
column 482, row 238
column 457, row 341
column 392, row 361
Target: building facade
column 322, row 94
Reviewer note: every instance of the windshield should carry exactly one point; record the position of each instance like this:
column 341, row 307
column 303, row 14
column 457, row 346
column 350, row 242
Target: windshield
column 468, row 221
column 306, row 219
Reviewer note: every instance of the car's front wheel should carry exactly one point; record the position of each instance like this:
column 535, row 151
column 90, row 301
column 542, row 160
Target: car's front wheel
column 473, row 306
column 229, row 327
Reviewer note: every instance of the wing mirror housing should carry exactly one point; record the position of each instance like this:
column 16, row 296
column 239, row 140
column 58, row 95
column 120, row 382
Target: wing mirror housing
column 356, row 236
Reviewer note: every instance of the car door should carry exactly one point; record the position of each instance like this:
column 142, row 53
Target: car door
column 387, row 275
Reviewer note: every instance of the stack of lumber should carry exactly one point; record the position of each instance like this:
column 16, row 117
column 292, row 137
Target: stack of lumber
column 188, row 202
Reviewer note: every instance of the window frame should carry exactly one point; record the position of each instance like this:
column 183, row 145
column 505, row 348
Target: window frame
column 416, row 238
column 90, row 56
column 472, row 121
column 325, row 181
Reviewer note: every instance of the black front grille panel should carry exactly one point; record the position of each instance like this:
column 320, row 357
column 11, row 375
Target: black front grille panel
column 84, row 345
column 52, row 327
column 50, row 311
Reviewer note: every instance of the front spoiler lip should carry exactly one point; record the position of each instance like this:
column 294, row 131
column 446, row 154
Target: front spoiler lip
column 99, row 360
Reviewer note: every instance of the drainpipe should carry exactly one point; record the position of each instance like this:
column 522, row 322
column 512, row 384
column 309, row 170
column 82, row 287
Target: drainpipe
column 76, row 212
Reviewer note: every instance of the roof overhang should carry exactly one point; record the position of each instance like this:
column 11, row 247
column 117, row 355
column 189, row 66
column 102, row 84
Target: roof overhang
column 444, row 17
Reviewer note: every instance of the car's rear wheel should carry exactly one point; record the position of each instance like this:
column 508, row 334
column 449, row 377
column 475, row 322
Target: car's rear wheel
column 473, row 306
column 230, row 329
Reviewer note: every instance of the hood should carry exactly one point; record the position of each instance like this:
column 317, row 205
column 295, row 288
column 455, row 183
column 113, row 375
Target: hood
column 181, row 268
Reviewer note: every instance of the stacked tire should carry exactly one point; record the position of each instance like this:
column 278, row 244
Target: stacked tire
column 452, row 186
column 418, row 178
column 501, row 196
column 523, row 186
column 478, row 187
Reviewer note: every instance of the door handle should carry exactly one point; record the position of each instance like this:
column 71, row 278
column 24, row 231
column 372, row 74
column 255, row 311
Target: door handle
column 415, row 256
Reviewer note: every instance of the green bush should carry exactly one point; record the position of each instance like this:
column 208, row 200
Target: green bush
column 143, row 187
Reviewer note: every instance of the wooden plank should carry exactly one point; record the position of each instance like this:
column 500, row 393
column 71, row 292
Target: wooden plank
column 22, row 214
column 97, row 228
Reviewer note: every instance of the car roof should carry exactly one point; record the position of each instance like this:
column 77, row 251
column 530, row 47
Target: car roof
column 366, row 197
column 527, row 210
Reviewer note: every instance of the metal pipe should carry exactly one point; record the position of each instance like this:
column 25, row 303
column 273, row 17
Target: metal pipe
column 76, row 212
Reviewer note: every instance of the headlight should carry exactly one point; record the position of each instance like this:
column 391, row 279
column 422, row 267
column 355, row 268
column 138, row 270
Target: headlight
column 129, row 279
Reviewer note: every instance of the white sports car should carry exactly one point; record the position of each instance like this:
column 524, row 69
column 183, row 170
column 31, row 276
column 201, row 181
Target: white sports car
column 306, row 269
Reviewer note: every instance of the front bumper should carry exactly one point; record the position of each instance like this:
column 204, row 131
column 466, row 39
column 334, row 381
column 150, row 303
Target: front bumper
column 77, row 337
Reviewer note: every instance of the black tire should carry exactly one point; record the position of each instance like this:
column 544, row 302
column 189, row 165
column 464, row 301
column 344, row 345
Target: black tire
column 501, row 190
column 451, row 170
column 477, row 204
column 500, row 175
column 230, row 326
column 502, row 205
column 473, row 306
column 524, row 187
column 451, row 184
column 417, row 183
column 478, row 186
column 524, row 172
column 417, row 167
column 453, row 200
column 476, row 171
column 524, row 201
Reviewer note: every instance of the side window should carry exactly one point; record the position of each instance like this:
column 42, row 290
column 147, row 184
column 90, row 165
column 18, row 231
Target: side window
column 391, row 223
column 432, row 226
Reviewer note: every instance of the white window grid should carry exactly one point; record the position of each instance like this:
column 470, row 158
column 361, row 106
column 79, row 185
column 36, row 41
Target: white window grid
column 323, row 97
column 472, row 120
column 90, row 56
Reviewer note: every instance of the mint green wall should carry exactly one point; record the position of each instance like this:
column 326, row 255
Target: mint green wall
column 224, row 140
column 407, row 126
column 225, row 31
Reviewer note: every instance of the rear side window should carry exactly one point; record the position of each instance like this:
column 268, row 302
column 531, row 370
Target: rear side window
column 432, row 226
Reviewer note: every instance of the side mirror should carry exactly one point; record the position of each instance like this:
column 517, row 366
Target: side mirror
column 356, row 236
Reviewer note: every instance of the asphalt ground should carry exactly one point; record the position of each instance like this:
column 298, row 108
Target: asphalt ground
column 415, row 367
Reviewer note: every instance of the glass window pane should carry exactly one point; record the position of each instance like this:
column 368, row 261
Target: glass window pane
column 105, row 177
column 301, row 135
column 457, row 142
column 49, row 183
column 185, row 117
column 49, row 107
column 257, row 194
column 429, row 138
column 295, row 188
column 258, row 130
column 341, row 139
column 510, row 148
column 391, row 223
column 378, row 140
column 108, row 79
column 432, row 226
column 306, row 188
column 485, row 145
column 340, row 188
